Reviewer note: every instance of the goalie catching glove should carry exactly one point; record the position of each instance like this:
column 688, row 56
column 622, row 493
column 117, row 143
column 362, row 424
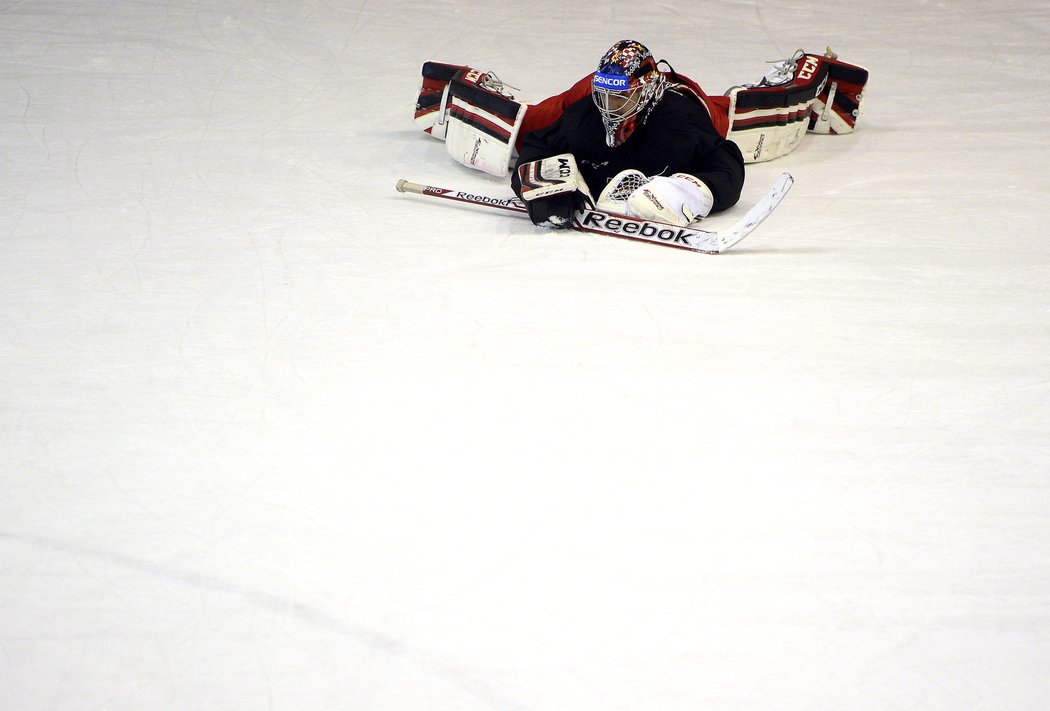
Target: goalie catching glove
column 553, row 189
column 678, row 199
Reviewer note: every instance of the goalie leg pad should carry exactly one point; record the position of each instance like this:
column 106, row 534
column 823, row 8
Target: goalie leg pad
column 768, row 120
column 809, row 92
column 483, row 125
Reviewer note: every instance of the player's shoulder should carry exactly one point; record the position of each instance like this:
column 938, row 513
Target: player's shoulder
column 681, row 101
column 679, row 107
column 581, row 113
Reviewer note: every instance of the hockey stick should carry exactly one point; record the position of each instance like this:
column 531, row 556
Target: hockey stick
column 604, row 223
column 511, row 204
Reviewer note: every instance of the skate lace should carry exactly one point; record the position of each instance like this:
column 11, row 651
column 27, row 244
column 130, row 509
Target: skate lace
column 493, row 83
column 781, row 72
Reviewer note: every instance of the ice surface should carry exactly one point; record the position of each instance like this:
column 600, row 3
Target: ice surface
column 276, row 436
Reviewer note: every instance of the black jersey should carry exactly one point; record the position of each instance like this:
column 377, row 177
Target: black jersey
column 678, row 137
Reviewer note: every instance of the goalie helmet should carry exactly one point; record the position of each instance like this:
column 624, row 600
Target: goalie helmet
column 626, row 88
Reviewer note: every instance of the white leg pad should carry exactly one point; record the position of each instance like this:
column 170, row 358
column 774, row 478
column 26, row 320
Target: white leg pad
column 482, row 125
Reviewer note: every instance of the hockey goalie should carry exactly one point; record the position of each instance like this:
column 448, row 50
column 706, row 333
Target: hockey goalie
column 651, row 140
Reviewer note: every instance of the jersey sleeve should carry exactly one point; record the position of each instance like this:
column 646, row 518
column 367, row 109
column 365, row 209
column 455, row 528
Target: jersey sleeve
column 722, row 169
column 692, row 144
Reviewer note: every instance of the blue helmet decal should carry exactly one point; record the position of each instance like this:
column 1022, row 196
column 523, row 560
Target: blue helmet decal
column 612, row 82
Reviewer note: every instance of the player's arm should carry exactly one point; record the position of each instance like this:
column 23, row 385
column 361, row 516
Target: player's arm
column 689, row 145
column 721, row 169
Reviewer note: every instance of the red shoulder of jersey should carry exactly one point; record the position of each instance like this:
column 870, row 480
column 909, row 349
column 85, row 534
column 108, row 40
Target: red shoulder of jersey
column 549, row 110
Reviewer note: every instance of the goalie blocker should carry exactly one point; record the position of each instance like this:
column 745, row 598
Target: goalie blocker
column 553, row 190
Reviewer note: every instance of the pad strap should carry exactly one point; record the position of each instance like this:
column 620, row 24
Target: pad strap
column 839, row 106
column 432, row 105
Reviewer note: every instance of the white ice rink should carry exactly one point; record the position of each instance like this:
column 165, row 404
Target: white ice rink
column 274, row 436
